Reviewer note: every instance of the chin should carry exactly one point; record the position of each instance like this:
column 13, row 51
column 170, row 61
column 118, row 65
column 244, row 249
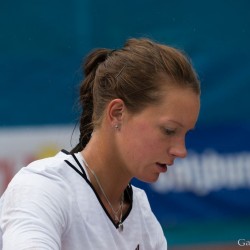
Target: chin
column 149, row 179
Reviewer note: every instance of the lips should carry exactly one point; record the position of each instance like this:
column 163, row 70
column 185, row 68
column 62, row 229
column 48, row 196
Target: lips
column 162, row 167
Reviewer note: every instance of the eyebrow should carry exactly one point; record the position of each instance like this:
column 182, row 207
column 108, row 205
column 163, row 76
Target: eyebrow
column 176, row 122
column 181, row 125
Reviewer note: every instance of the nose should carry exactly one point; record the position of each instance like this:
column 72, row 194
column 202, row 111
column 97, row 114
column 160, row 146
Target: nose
column 179, row 149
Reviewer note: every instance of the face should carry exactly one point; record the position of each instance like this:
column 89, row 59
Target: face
column 154, row 138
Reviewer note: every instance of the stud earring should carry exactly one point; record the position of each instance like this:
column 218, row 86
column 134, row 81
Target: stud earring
column 116, row 126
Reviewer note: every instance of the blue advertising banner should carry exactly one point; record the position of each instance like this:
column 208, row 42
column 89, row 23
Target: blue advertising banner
column 209, row 190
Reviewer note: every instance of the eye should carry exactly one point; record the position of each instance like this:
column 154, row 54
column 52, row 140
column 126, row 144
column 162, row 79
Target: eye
column 169, row 131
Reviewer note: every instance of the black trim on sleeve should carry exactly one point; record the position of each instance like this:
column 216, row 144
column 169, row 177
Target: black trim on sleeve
column 82, row 172
column 65, row 152
column 80, row 165
column 77, row 170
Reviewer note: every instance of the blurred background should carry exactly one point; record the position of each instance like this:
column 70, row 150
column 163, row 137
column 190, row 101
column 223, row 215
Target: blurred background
column 203, row 202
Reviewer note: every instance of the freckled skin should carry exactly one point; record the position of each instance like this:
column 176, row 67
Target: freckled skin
column 144, row 138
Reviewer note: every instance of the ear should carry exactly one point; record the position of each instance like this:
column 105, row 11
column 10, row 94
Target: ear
column 115, row 111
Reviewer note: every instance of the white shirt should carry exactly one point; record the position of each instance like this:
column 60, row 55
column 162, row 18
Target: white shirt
column 48, row 205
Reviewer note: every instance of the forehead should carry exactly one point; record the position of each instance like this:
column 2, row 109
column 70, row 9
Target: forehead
column 175, row 95
column 175, row 104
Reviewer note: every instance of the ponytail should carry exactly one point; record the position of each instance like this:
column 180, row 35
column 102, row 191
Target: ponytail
column 86, row 96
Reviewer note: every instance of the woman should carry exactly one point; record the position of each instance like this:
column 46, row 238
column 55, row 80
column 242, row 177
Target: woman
column 138, row 104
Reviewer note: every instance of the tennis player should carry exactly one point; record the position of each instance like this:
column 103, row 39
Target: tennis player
column 138, row 103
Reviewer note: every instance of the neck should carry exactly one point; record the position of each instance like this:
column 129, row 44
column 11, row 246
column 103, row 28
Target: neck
column 112, row 176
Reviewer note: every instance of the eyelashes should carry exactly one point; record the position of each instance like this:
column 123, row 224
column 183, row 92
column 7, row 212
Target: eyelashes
column 175, row 131
column 169, row 131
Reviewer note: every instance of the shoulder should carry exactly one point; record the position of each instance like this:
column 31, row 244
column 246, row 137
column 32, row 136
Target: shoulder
column 47, row 170
column 142, row 205
column 40, row 195
column 140, row 197
column 154, row 230
column 42, row 181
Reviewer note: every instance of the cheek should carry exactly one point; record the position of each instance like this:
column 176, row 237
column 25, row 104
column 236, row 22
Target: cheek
column 141, row 142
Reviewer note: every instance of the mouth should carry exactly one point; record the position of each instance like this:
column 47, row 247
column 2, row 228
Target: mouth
column 163, row 167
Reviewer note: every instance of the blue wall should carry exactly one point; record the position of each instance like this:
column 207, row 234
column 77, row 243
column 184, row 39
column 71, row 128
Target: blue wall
column 42, row 44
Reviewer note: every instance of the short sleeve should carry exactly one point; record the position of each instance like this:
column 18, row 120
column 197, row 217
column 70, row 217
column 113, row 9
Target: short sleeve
column 34, row 213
